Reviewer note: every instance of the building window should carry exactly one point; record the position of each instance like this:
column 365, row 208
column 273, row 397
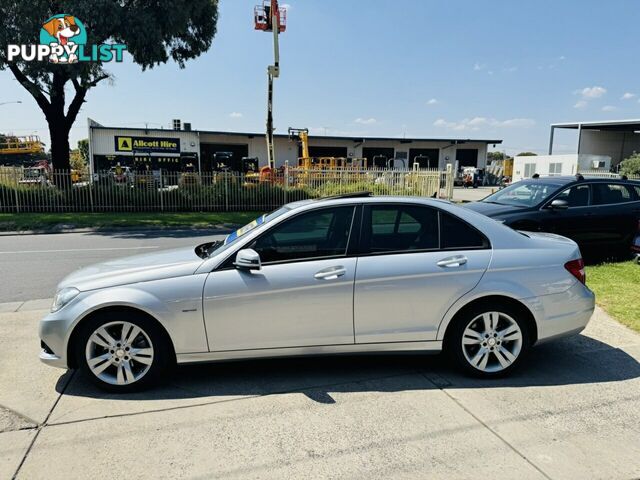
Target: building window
column 555, row 169
column 529, row 170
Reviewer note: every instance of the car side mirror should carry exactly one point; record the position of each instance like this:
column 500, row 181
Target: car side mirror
column 559, row 205
column 248, row 259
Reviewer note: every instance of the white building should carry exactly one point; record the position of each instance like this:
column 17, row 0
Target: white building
column 600, row 146
column 174, row 149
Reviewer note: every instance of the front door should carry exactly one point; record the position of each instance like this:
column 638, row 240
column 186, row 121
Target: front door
column 412, row 271
column 574, row 221
column 302, row 295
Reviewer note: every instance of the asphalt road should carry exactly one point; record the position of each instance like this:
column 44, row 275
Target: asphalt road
column 32, row 265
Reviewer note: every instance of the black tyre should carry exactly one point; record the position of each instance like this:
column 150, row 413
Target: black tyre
column 121, row 351
column 488, row 340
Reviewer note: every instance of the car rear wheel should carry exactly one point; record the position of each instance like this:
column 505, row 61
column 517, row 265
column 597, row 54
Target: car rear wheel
column 489, row 341
column 122, row 355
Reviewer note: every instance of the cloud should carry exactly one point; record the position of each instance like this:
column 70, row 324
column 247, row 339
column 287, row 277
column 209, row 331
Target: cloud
column 609, row 108
column 479, row 66
column 591, row 92
column 433, row 101
column 562, row 58
column 510, row 69
column 365, row 121
column 477, row 123
column 581, row 104
column 628, row 96
column 235, row 115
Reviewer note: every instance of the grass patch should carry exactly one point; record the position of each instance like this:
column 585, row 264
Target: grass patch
column 617, row 289
column 46, row 221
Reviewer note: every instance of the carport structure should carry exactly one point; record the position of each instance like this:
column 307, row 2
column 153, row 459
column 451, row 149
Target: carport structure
column 617, row 139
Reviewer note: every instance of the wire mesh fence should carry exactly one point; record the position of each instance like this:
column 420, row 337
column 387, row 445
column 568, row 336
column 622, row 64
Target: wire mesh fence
column 37, row 190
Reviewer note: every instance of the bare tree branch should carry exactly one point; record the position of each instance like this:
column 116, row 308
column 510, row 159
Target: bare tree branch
column 31, row 87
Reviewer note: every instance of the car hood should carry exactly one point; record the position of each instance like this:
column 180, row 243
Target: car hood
column 138, row 268
column 491, row 209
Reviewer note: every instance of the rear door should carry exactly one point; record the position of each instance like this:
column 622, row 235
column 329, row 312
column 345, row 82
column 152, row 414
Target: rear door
column 614, row 213
column 415, row 262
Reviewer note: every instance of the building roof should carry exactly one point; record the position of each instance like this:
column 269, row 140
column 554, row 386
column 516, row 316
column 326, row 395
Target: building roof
column 610, row 125
column 329, row 137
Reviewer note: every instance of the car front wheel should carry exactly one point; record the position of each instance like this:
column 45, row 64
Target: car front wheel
column 122, row 355
column 489, row 342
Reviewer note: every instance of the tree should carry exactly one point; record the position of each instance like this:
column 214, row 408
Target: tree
column 631, row 165
column 83, row 147
column 154, row 32
column 493, row 156
column 527, row 154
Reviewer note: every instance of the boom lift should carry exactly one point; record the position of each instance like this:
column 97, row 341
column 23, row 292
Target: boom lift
column 269, row 17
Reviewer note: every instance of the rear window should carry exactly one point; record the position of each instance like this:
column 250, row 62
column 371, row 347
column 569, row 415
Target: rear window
column 458, row 235
column 610, row 193
column 400, row 228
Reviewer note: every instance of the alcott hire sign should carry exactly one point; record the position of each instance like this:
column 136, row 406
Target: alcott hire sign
column 147, row 144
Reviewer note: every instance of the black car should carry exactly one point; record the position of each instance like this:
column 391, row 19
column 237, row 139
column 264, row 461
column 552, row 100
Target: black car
column 601, row 214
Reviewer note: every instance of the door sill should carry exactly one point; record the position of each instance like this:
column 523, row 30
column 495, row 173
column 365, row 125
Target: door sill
column 427, row 347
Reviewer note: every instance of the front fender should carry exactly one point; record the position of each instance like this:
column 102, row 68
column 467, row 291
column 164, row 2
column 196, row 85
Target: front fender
column 175, row 303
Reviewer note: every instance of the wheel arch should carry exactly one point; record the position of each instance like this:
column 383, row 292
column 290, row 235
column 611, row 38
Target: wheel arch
column 114, row 310
column 493, row 299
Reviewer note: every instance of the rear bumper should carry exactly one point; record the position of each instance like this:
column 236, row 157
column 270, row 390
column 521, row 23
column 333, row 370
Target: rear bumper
column 562, row 314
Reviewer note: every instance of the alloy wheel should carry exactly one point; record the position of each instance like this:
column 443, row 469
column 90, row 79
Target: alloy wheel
column 492, row 341
column 119, row 353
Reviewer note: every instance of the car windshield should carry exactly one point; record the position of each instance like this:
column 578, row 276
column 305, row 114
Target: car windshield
column 526, row 193
column 221, row 245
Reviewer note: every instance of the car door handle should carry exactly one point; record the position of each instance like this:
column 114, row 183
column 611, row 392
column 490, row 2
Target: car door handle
column 452, row 262
column 331, row 273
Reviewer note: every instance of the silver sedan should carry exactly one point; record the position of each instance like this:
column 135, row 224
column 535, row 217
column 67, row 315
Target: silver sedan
column 355, row 274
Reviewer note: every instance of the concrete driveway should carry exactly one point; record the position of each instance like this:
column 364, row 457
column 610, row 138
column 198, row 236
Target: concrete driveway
column 572, row 411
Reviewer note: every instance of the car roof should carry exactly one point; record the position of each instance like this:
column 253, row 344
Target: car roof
column 350, row 200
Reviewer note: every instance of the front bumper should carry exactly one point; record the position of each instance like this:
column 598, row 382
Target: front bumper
column 53, row 330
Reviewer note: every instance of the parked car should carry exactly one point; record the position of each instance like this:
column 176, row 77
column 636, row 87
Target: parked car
column 355, row 274
column 600, row 214
column 635, row 246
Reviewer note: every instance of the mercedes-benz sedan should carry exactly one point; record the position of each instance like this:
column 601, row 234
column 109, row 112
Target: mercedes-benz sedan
column 355, row 274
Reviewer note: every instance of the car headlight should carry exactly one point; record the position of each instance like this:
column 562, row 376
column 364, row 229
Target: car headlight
column 63, row 297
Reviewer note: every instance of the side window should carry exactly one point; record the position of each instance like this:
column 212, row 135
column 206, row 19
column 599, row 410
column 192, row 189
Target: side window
column 458, row 235
column 317, row 234
column 637, row 188
column 608, row 193
column 576, row 196
column 400, row 228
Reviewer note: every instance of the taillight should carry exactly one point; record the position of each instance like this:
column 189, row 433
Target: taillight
column 576, row 268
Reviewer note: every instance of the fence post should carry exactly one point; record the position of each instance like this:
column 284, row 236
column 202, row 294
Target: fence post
column 91, row 191
column 286, row 179
column 15, row 189
column 226, row 192
column 449, row 182
column 161, row 190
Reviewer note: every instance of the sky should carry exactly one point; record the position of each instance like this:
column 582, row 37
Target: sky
column 487, row 69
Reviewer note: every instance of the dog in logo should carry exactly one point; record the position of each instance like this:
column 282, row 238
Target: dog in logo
column 62, row 29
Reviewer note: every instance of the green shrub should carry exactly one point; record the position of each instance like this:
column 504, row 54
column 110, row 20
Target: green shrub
column 631, row 166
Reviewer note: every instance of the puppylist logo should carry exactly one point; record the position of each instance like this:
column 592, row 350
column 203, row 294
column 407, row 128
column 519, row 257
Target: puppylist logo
column 63, row 39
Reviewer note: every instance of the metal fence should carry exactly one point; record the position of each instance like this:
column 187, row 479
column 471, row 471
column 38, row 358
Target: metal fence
column 603, row 174
column 33, row 190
